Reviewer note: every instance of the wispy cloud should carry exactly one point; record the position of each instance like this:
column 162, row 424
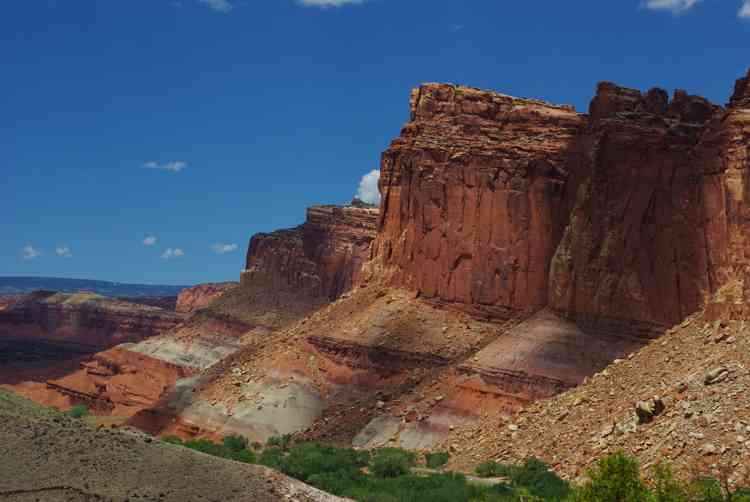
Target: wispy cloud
column 745, row 10
column 31, row 253
column 457, row 27
column 171, row 253
column 329, row 3
column 149, row 240
column 224, row 6
column 368, row 187
column 63, row 251
column 220, row 248
column 175, row 166
column 674, row 6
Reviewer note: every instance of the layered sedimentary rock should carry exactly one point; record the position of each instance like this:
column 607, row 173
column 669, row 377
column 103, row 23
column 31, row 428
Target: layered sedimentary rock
column 83, row 319
column 474, row 197
column 315, row 262
column 634, row 255
column 198, row 297
column 624, row 220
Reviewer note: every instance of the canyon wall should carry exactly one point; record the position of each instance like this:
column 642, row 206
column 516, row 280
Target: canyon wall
column 200, row 296
column 634, row 254
column 624, row 220
column 84, row 319
column 474, row 197
column 315, row 262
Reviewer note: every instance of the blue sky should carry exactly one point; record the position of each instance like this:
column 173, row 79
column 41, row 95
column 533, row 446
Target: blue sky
column 147, row 140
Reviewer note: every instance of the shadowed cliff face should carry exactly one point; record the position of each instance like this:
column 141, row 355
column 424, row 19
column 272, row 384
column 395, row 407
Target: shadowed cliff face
column 315, row 262
column 634, row 251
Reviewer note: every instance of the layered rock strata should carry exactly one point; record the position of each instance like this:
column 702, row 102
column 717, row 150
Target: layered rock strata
column 200, row 296
column 316, row 261
column 474, row 197
column 82, row 319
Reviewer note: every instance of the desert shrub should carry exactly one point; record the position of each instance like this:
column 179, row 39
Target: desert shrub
column 391, row 462
column 706, row 489
column 272, row 457
column 536, row 477
column 616, row 478
column 436, row 460
column 79, row 411
column 665, row 488
column 284, row 441
column 235, row 442
column 221, row 450
column 172, row 440
column 490, row 469
column 307, row 459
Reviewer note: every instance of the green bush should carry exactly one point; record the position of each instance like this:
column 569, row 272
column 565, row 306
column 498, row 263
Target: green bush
column 172, row 440
column 283, row 442
column 391, row 462
column 436, row 460
column 221, row 450
column 490, row 469
column 79, row 411
column 536, row 477
column 307, row 459
column 235, row 443
column 615, row 478
column 272, row 457
column 665, row 487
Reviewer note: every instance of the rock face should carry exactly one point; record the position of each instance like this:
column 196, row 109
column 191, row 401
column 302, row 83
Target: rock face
column 635, row 251
column 198, row 297
column 84, row 319
column 315, row 262
column 474, row 197
column 623, row 220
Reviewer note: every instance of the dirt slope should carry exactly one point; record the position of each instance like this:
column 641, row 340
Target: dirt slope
column 699, row 369
column 48, row 456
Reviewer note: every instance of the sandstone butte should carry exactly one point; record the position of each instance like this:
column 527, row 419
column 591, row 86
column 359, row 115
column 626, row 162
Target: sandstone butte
column 561, row 241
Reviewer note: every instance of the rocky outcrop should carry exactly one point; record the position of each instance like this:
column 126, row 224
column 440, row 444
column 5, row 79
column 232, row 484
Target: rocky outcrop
column 624, row 220
column 86, row 320
column 634, row 255
column 474, row 197
column 198, row 297
column 315, row 262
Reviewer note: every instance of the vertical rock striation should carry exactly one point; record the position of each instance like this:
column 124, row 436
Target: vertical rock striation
column 474, row 197
column 315, row 262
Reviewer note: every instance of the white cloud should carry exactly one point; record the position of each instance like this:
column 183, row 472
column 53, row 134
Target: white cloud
column 220, row 248
column 745, row 10
column 674, row 6
column 63, row 251
column 31, row 253
column 174, row 166
column 173, row 253
column 149, row 240
column 329, row 3
column 368, row 187
column 224, row 6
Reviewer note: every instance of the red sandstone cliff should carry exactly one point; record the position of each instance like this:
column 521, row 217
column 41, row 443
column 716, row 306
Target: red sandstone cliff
column 626, row 218
column 474, row 197
column 314, row 262
column 198, row 297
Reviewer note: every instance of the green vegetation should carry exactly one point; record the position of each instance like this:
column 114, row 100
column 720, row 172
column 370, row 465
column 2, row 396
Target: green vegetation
column 79, row 411
column 232, row 447
column 436, row 460
column 386, row 475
